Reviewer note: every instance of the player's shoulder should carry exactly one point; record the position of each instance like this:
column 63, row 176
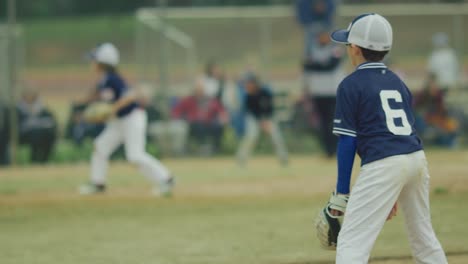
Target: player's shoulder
column 368, row 74
column 350, row 82
column 114, row 77
column 114, row 80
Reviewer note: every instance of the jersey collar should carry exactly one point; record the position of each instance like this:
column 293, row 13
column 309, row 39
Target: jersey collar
column 371, row 65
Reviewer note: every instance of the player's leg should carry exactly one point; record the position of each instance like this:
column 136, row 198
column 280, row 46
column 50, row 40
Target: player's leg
column 278, row 142
column 104, row 145
column 134, row 128
column 372, row 198
column 414, row 201
column 248, row 141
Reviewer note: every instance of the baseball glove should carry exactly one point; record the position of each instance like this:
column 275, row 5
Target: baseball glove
column 328, row 226
column 98, row 112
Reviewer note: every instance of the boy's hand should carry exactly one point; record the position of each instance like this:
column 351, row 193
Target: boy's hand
column 328, row 222
column 338, row 203
column 393, row 212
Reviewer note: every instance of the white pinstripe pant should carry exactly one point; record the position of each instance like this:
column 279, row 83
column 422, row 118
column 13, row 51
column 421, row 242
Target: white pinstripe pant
column 402, row 178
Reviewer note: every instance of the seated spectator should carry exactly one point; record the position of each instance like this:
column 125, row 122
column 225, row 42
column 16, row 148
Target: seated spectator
column 206, row 118
column 170, row 136
column 37, row 127
column 432, row 119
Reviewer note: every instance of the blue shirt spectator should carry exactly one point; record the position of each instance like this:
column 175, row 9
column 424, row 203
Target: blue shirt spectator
column 315, row 16
column 315, row 11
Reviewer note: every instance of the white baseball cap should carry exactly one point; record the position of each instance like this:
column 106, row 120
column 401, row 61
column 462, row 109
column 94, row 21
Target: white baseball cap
column 369, row 31
column 106, row 53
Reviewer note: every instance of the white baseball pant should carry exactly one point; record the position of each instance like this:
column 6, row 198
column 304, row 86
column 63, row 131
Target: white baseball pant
column 131, row 131
column 402, row 178
column 250, row 138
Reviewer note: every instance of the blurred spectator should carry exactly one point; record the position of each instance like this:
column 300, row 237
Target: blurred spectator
column 433, row 122
column 77, row 129
column 259, row 109
column 304, row 118
column 323, row 73
column 443, row 62
column 36, row 126
column 169, row 135
column 233, row 97
column 4, row 135
column 206, row 118
column 213, row 80
column 314, row 16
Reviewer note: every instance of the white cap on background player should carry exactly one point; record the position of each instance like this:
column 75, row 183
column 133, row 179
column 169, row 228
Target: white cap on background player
column 106, row 53
column 369, row 31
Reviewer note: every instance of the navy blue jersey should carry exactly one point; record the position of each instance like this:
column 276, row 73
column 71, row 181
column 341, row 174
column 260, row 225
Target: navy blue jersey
column 112, row 88
column 374, row 105
column 260, row 104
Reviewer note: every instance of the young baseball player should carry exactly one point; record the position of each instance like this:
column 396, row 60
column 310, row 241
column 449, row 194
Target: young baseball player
column 258, row 103
column 128, row 127
column 374, row 117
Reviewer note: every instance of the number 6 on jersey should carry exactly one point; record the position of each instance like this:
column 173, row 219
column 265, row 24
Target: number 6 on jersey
column 393, row 114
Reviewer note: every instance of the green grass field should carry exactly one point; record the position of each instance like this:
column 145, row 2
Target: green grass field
column 219, row 214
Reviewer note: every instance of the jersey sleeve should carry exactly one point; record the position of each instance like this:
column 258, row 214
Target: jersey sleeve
column 345, row 122
column 118, row 86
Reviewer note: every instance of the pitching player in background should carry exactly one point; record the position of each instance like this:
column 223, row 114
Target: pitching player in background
column 374, row 117
column 128, row 127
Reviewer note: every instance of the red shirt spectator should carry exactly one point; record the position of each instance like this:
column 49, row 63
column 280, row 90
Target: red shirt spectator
column 199, row 108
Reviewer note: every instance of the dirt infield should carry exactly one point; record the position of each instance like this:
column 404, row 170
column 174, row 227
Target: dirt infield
column 220, row 214
column 221, row 177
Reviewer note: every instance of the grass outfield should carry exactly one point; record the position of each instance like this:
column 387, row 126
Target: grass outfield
column 220, row 214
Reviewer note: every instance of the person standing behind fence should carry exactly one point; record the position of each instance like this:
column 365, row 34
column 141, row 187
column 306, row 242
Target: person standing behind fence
column 314, row 15
column 322, row 73
column 213, row 80
column 443, row 63
column 259, row 108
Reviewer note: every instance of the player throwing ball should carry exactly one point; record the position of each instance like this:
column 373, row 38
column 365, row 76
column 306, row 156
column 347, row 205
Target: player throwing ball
column 374, row 117
column 128, row 127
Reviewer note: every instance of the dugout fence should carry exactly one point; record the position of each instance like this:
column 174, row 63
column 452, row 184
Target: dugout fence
column 269, row 39
column 5, row 67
